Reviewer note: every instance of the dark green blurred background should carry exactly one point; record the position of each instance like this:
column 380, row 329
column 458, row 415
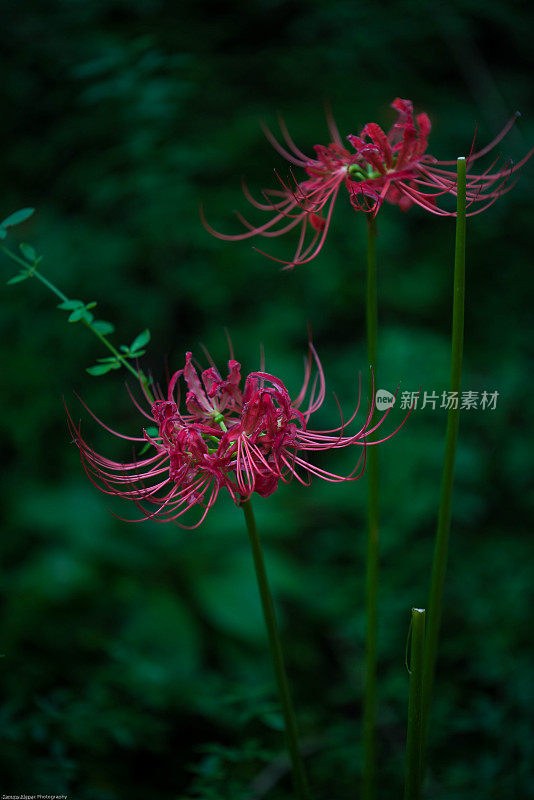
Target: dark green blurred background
column 135, row 661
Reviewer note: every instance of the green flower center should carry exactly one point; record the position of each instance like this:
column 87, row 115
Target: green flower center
column 358, row 173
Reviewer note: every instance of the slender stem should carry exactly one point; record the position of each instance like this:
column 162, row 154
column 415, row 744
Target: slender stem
column 413, row 782
column 299, row 775
column 105, row 341
column 34, row 273
column 14, row 257
column 371, row 587
column 371, row 307
column 49, row 285
column 439, row 566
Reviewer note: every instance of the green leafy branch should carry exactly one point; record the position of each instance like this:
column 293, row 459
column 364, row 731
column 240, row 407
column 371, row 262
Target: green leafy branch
column 28, row 261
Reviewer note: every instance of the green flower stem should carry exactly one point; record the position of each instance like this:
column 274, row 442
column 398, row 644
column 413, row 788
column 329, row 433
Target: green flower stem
column 34, row 273
column 453, row 420
column 299, row 775
column 371, row 587
column 413, row 782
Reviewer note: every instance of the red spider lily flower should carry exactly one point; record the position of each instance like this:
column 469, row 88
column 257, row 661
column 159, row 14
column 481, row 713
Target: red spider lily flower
column 395, row 167
column 244, row 440
column 392, row 167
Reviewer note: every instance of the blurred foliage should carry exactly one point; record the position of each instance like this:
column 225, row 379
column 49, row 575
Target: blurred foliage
column 135, row 662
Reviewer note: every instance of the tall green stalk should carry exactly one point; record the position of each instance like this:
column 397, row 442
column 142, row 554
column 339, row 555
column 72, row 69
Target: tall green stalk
column 371, row 586
column 414, row 777
column 299, row 775
column 453, row 420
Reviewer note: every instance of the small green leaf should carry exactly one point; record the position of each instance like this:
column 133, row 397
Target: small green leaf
column 111, row 362
column 18, row 278
column 17, row 217
column 70, row 305
column 92, row 304
column 124, row 348
column 99, row 369
column 153, row 433
column 140, row 341
column 77, row 314
column 87, row 316
column 103, row 327
column 137, row 354
column 28, row 252
column 273, row 720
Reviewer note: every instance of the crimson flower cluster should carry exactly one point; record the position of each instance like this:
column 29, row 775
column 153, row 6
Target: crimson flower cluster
column 244, row 440
column 392, row 167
